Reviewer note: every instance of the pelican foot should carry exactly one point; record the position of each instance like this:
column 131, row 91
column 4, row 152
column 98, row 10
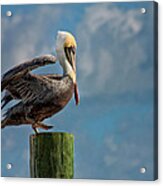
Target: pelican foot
column 40, row 125
column 49, row 127
column 43, row 126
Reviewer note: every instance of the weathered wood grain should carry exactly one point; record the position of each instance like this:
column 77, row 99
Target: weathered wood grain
column 52, row 155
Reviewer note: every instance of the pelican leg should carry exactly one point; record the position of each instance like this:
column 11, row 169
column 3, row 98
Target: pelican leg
column 38, row 124
column 34, row 124
column 34, row 127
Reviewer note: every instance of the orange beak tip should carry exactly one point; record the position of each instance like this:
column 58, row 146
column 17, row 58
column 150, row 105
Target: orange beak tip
column 78, row 103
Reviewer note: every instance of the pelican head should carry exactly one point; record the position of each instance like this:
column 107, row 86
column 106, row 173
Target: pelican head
column 66, row 54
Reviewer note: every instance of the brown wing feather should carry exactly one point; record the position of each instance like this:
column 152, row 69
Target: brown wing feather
column 34, row 88
column 14, row 77
column 22, row 69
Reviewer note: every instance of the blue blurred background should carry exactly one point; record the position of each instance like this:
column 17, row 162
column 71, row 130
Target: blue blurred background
column 113, row 125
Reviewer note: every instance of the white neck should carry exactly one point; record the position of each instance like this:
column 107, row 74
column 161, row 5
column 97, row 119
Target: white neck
column 67, row 68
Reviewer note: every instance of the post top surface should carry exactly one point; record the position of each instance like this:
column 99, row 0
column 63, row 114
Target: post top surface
column 50, row 134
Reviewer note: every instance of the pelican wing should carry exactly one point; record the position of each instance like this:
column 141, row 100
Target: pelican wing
column 22, row 69
column 32, row 89
column 19, row 83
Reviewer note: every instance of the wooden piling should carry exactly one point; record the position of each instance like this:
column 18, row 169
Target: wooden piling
column 52, row 155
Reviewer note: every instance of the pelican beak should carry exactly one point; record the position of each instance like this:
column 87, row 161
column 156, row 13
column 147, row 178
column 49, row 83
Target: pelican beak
column 71, row 56
column 76, row 94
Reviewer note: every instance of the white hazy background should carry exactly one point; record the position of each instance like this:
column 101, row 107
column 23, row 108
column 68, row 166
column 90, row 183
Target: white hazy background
column 25, row 182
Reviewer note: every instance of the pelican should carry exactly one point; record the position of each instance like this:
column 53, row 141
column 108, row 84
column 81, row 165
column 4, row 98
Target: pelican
column 41, row 96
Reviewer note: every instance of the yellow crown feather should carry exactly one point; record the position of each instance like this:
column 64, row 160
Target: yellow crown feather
column 70, row 41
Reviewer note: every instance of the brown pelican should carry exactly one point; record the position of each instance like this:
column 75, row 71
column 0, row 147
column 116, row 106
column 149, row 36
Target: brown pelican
column 41, row 96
